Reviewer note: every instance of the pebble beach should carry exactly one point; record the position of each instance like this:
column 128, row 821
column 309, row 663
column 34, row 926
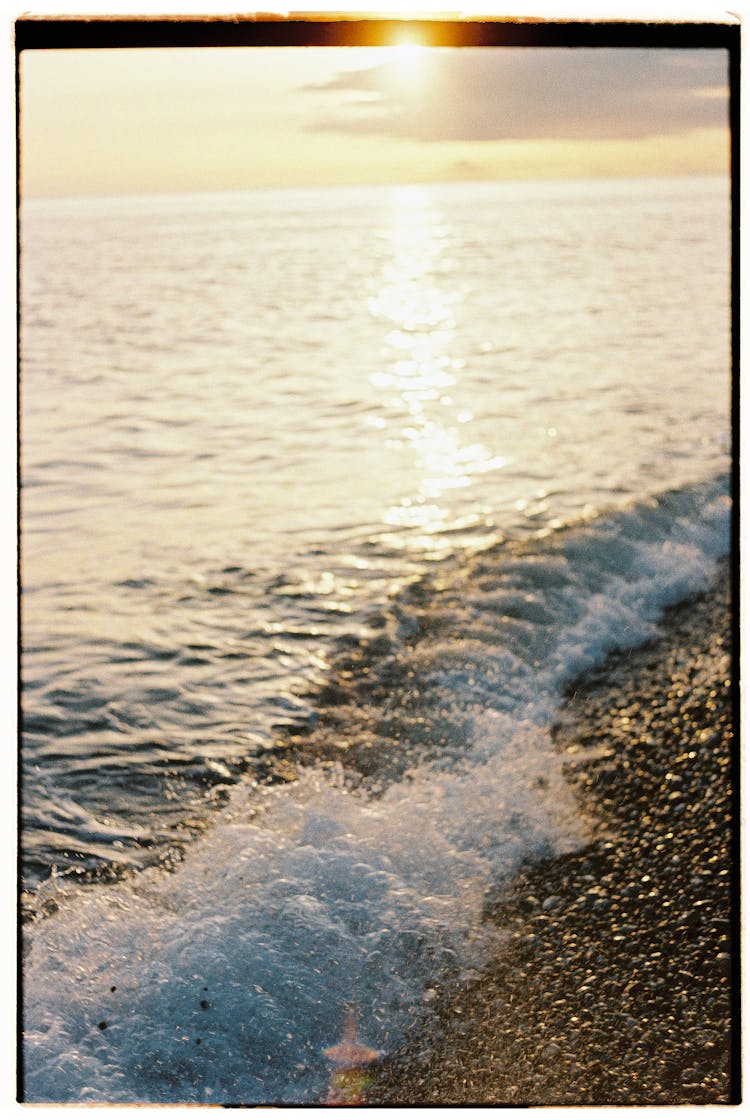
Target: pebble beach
column 617, row 982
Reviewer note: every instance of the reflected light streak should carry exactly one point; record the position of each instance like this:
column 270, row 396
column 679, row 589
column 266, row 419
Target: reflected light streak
column 418, row 309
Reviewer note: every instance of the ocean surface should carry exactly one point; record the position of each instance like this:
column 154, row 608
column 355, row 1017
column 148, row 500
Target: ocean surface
column 326, row 496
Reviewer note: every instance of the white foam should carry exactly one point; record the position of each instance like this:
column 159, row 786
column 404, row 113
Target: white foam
column 309, row 896
column 276, row 921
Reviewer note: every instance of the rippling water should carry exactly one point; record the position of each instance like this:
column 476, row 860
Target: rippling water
column 357, row 475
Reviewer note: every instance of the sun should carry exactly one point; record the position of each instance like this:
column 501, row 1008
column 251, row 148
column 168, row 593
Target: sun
column 406, row 57
column 407, row 47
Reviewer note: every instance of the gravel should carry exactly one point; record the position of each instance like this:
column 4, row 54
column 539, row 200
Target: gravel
column 617, row 983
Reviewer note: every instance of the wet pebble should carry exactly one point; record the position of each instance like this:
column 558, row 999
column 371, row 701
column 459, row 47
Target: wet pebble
column 615, row 988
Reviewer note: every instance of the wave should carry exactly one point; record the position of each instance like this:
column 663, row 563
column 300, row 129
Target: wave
column 424, row 776
column 505, row 630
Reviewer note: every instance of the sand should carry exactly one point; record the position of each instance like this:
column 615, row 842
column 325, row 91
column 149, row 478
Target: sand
column 617, row 979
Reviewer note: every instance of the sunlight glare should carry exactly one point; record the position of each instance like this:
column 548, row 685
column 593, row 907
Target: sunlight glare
column 417, row 304
column 409, row 49
column 406, row 58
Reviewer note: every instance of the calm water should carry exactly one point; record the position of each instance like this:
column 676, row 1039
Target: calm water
column 375, row 469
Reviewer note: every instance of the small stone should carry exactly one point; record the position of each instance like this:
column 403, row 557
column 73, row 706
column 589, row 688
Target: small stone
column 551, row 902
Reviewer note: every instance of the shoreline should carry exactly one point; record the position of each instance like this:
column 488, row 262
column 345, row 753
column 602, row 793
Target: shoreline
column 617, row 984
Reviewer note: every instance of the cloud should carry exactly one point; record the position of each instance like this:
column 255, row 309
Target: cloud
column 533, row 93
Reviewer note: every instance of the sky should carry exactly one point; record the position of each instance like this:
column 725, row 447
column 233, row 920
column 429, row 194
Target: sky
column 179, row 119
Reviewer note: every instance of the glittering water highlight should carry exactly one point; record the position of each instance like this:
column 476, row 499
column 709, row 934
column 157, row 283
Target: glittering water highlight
column 312, row 541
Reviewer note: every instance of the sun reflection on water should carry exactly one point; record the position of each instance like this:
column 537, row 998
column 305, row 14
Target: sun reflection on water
column 418, row 302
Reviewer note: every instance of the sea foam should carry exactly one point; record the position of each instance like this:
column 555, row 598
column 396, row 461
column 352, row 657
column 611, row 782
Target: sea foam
column 223, row 980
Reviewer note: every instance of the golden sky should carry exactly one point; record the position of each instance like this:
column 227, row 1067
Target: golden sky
column 114, row 121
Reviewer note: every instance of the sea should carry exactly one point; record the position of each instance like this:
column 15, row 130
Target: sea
column 327, row 496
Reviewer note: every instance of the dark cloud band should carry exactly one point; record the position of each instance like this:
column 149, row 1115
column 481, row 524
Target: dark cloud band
column 536, row 93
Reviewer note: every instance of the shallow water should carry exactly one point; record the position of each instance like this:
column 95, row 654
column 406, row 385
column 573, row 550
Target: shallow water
column 362, row 476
